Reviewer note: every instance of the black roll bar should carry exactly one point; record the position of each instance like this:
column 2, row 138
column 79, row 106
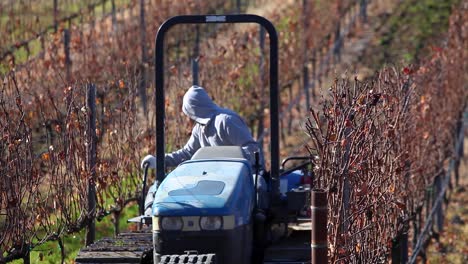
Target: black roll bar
column 159, row 78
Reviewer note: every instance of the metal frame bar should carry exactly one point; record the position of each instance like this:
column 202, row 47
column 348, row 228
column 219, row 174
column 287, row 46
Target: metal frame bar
column 159, row 79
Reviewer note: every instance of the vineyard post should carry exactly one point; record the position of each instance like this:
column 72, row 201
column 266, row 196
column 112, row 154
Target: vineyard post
column 337, row 48
column 428, row 196
column 319, row 210
column 196, row 52
column 417, row 225
column 327, row 56
column 27, row 256
column 114, row 18
column 463, row 117
column 305, row 26
column 182, row 45
column 320, row 65
column 177, row 48
column 104, row 2
column 459, row 151
column 62, row 249
column 337, row 38
column 91, row 161
column 283, row 136
column 404, row 245
column 400, row 248
column 281, row 124
column 337, row 41
column 115, row 220
column 314, row 71
column 144, row 57
column 81, row 31
column 92, row 14
column 66, row 43
column 49, row 132
column 363, row 9
column 196, row 47
column 55, row 15
column 195, row 71
column 433, row 197
column 352, row 15
column 326, row 53
column 439, row 218
column 354, row 9
column 305, row 74
column 238, row 6
column 345, row 18
column 28, row 50
column 297, row 102
column 42, row 52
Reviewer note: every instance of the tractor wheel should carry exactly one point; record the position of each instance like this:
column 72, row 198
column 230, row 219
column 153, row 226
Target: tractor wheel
column 189, row 258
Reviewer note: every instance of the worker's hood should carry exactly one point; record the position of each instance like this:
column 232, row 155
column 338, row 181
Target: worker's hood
column 199, row 107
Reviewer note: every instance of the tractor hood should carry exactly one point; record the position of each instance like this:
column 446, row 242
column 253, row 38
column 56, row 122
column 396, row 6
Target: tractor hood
column 207, row 187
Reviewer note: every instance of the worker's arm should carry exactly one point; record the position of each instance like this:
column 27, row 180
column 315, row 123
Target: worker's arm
column 193, row 144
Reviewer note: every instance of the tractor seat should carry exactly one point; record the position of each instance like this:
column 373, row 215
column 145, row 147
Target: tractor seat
column 234, row 152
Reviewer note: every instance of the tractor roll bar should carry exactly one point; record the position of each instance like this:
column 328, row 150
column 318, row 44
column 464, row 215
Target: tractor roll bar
column 159, row 78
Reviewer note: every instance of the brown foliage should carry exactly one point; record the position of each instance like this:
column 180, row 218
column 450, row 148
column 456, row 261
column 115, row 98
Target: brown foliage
column 379, row 144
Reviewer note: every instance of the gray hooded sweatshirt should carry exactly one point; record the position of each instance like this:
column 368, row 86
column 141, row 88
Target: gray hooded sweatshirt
column 215, row 126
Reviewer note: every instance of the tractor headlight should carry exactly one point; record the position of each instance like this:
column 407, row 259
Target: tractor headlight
column 211, row 222
column 172, row 223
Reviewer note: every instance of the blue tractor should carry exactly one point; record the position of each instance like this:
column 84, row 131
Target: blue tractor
column 207, row 206
column 205, row 210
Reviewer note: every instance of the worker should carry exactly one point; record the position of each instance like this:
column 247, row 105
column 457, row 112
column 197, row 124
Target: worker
column 214, row 126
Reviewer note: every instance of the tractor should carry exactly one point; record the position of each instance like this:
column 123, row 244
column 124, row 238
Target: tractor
column 205, row 210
